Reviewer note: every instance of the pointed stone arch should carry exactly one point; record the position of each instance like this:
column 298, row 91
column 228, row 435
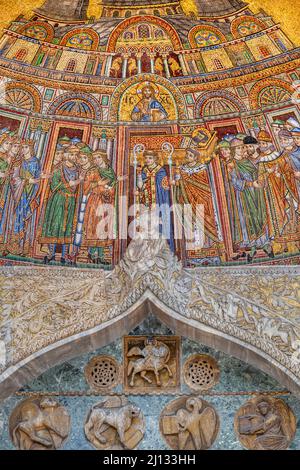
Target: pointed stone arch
column 74, row 312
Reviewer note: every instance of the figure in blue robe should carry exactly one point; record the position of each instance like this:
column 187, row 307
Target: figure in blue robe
column 148, row 109
column 153, row 184
column 25, row 189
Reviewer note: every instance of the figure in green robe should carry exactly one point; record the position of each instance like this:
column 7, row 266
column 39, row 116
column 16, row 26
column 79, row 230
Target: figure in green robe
column 60, row 216
column 250, row 202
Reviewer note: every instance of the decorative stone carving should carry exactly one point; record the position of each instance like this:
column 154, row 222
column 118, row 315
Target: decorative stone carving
column 39, row 424
column 151, row 364
column 189, row 423
column 248, row 306
column 115, row 424
column 102, row 373
column 265, row 423
column 201, row 372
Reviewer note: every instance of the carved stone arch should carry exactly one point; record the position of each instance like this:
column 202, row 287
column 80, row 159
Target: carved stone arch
column 147, row 77
column 90, row 106
column 147, row 19
column 22, row 95
column 76, row 311
column 281, row 91
column 233, row 101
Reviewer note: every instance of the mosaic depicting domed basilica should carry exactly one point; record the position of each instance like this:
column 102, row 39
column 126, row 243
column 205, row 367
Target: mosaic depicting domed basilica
column 149, row 227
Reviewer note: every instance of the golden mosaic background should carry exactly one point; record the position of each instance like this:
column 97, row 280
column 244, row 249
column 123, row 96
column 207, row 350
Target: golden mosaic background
column 286, row 12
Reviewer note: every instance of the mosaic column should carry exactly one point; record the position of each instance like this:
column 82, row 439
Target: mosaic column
column 152, row 65
column 45, row 128
column 182, row 64
column 108, row 65
column 193, row 58
column 110, row 135
column 166, row 65
column 139, row 62
column 33, row 127
column 96, row 133
column 124, row 66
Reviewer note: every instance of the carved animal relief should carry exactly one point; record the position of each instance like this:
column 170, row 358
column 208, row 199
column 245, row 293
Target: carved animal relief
column 189, row 423
column 265, row 423
column 151, row 364
column 115, row 424
column 39, row 424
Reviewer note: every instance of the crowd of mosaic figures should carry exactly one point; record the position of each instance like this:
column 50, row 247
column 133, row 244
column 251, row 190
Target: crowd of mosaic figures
column 76, row 172
column 263, row 187
column 58, row 206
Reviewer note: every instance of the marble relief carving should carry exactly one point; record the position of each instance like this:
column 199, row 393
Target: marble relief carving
column 265, row 423
column 257, row 308
column 151, row 364
column 39, row 424
column 201, row 372
column 189, row 423
column 115, row 424
column 102, row 373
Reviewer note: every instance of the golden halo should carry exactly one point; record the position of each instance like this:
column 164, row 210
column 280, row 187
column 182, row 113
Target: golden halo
column 147, row 84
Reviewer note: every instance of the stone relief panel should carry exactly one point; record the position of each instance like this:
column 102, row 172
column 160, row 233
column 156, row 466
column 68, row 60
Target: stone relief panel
column 201, row 372
column 262, row 314
column 102, row 373
column 39, row 424
column 189, row 423
column 151, row 364
column 115, row 424
column 265, row 423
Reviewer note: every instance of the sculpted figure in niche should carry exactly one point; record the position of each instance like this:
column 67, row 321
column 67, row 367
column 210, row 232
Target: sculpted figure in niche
column 39, row 424
column 265, row 424
column 155, row 354
column 115, row 424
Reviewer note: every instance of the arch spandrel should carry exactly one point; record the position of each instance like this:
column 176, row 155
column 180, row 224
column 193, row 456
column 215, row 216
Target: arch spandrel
column 69, row 313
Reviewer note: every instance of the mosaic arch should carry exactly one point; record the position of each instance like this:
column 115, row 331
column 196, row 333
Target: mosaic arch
column 81, row 38
column 22, row 95
column 246, row 25
column 217, row 103
column 270, row 92
column 79, row 105
column 128, row 95
column 142, row 20
column 38, row 30
column 205, row 35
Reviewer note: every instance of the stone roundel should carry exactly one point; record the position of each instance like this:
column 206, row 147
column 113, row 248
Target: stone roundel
column 265, row 423
column 201, row 372
column 189, row 423
column 39, row 423
column 102, row 372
